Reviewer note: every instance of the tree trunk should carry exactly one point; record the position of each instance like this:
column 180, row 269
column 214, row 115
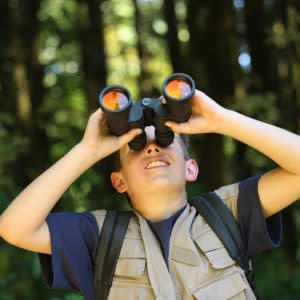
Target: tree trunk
column 258, row 23
column 7, row 90
column 144, row 79
column 212, row 63
column 288, row 14
column 172, row 36
column 91, row 38
column 28, row 74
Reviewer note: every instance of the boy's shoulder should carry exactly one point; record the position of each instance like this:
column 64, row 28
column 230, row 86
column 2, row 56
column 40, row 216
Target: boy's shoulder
column 133, row 230
column 229, row 194
column 99, row 216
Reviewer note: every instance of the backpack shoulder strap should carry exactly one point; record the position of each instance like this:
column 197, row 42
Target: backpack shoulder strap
column 111, row 239
column 228, row 219
column 225, row 226
column 210, row 212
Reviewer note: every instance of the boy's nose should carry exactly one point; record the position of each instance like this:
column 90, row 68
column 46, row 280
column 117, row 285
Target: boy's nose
column 152, row 148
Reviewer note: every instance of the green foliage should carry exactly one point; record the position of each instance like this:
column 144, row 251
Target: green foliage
column 276, row 277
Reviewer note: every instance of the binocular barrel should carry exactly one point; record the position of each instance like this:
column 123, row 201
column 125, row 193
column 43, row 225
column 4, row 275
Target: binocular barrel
column 115, row 102
column 178, row 90
column 121, row 115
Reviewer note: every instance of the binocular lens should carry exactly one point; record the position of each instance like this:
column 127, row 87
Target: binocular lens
column 115, row 100
column 178, row 88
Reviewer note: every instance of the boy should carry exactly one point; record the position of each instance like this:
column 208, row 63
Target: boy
column 169, row 251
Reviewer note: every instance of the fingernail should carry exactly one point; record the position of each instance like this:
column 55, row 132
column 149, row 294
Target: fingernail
column 138, row 130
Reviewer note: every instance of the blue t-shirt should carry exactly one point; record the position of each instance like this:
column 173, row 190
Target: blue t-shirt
column 74, row 240
column 163, row 230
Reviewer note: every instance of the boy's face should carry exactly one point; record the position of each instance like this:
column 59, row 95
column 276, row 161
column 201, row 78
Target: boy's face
column 154, row 169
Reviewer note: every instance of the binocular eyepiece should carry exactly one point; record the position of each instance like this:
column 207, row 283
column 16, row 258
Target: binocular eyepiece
column 121, row 114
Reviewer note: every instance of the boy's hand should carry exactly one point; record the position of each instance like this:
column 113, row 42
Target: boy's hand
column 205, row 118
column 97, row 139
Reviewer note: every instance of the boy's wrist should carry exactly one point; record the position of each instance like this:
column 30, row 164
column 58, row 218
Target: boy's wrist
column 90, row 155
column 223, row 121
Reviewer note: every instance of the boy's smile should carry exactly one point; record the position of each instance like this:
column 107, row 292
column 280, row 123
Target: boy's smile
column 156, row 164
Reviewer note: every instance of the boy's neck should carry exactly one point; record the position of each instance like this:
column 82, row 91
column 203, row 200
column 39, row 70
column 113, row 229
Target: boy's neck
column 156, row 208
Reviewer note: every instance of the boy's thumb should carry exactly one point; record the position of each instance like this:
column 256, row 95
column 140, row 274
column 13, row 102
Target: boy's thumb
column 130, row 135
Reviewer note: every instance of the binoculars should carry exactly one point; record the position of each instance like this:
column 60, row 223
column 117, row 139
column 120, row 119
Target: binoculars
column 121, row 114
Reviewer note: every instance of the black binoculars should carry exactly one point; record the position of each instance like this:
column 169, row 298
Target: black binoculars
column 121, row 115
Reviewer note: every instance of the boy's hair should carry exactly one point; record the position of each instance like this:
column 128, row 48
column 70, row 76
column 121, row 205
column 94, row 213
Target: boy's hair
column 184, row 142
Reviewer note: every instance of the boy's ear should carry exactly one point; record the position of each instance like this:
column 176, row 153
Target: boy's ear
column 192, row 170
column 118, row 182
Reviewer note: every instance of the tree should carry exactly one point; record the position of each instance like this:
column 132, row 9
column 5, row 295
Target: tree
column 25, row 73
column 91, row 36
column 212, row 61
column 172, row 36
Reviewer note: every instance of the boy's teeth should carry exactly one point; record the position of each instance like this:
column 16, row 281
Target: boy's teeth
column 156, row 164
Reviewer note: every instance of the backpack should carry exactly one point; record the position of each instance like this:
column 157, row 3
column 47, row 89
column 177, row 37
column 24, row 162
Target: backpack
column 210, row 206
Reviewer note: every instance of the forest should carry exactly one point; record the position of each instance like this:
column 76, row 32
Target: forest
column 55, row 58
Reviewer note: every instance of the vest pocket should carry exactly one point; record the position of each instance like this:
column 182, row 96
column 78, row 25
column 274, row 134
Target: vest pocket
column 131, row 276
column 131, row 281
column 229, row 286
column 131, row 269
column 213, row 249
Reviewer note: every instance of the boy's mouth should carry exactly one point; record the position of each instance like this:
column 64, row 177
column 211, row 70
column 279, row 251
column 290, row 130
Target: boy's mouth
column 156, row 164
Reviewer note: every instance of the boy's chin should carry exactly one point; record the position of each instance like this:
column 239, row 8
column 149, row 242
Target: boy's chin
column 163, row 183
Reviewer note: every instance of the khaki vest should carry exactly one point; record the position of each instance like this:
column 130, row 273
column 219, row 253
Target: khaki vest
column 199, row 265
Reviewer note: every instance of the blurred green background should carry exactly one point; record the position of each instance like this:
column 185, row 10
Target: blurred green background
column 55, row 57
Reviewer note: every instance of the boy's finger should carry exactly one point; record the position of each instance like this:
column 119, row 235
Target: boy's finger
column 99, row 113
column 163, row 100
column 129, row 136
column 96, row 115
column 178, row 127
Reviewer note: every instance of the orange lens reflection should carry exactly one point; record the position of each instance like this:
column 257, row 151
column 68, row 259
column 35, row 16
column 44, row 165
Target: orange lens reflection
column 178, row 88
column 114, row 100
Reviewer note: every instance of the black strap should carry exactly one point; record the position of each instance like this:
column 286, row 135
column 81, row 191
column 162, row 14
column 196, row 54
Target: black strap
column 110, row 243
column 229, row 221
column 215, row 222
column 223, row 223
